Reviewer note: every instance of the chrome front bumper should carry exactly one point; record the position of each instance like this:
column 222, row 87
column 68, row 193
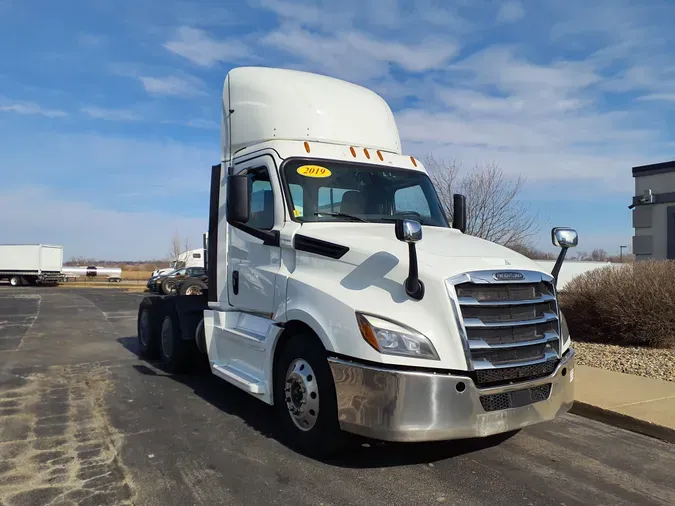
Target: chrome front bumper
column 396, row 405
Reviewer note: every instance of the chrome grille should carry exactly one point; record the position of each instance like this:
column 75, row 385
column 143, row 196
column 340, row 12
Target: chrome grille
column 517, row 399
column 507, row 325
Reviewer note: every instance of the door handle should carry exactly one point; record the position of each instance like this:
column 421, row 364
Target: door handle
column 235, row 282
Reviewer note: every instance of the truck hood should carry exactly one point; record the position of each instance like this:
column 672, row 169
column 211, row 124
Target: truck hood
column 442, row 251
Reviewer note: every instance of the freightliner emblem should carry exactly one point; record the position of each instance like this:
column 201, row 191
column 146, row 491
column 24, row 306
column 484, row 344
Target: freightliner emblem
column 508, row 276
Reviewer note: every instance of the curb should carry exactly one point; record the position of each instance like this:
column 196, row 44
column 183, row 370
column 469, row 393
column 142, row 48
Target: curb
column 623, row 421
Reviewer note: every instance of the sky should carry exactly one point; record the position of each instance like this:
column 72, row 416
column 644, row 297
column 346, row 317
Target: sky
column 110, row 110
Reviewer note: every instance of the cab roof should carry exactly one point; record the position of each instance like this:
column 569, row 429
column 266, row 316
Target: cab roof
column 262, row 104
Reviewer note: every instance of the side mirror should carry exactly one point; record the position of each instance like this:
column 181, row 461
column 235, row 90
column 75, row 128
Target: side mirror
column 459, row 212
column 238, row 205
column 564, row 237
column 409, row 231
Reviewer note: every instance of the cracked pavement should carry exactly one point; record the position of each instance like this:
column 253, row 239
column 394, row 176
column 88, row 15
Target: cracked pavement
column 84, row 421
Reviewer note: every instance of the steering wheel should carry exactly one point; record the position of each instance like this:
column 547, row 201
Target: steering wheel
column 409, row 213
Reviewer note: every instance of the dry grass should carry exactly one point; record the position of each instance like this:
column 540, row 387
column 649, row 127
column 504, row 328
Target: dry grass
column 634, row 305
column 136, row 275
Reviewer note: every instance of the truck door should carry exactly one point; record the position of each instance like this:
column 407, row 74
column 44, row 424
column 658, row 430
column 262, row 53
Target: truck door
column 252, row 264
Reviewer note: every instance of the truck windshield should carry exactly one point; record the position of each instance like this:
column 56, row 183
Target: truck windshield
column 338, row 191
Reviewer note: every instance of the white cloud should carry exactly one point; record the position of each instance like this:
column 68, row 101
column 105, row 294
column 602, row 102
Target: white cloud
column 117, row 161
column 665, row 97
column 333, row 17
column 31, row 108
column 196, row 123
column 357, row 56
column 510, row 11
column 500, row 66
column 200, row 48
column 110, row 114
column 172, row 85
column 84, row 229
column 296, row 11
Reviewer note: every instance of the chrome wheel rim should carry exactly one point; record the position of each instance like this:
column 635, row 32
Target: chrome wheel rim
column 167, row 338
column 144, row 328
column 301, row 392
column 193, row 290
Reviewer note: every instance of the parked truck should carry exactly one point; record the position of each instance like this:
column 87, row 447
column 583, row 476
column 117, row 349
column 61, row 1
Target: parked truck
column 31, row 264
column 339, row 292
column 190, row 258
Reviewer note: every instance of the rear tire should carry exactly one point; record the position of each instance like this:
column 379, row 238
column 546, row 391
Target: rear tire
column 168, row 287
column 16, row 281
column 175, row 353
column 148, row 331
column 192, row 288
column 314, row 428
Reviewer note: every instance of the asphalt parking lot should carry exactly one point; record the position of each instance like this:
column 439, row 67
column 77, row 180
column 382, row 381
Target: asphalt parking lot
column 84, row 421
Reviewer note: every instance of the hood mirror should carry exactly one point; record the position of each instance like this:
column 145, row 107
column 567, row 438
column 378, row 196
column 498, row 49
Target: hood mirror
column 564, row 237
column 410, row 231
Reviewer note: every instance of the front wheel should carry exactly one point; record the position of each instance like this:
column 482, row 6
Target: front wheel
column 15, row 281
column 305, row 399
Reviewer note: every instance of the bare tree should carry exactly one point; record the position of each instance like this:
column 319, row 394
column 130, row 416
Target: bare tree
column 493, row 211
column 178, row 247
column 599, row 255
column 532, row 252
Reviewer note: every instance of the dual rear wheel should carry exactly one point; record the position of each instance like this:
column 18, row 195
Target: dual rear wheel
column 304, row 393
column 159, row 336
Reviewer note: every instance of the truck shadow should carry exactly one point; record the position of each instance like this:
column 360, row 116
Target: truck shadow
column 359, row 453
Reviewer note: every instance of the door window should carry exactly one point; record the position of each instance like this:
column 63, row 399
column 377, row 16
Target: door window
column 262, row 199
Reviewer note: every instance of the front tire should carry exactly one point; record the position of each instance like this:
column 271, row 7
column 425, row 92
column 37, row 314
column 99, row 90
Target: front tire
column 305, row 399
column 16, row 281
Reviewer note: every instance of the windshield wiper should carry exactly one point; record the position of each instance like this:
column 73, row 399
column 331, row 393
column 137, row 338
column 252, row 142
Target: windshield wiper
column 343, row 215
column 393, row 219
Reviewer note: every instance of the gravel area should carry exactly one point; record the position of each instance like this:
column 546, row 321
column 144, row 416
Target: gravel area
column 650, row 362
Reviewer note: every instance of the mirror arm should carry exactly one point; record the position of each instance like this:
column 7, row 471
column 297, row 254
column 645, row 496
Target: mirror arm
column 558, row 265
column 413, row 286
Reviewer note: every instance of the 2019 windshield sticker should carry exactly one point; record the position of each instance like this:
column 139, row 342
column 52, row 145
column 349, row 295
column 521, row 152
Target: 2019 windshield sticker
column 314, row 171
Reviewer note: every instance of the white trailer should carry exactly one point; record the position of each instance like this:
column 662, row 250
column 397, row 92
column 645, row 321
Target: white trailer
column 30, row 264
column 339, row 293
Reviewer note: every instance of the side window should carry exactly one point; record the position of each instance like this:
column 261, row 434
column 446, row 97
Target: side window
column 296, row 195
column 262, row 200
column 411, row 199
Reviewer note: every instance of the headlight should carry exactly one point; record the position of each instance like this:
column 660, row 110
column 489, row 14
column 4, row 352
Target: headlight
column 393, row 339
column 564, row 330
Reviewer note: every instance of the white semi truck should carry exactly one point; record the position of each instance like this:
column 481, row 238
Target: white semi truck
column 189, row 258
column 31, row 264
column 339, row 293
